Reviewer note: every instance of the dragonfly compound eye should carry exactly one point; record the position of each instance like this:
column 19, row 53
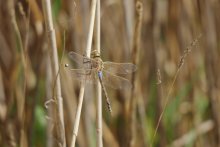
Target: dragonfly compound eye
column 95, row 54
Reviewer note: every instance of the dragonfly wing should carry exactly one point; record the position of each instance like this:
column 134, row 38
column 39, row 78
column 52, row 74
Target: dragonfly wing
column 82, row 61
column 77, row 58
column 119, row 68
column 115, row 81
column 82, row 75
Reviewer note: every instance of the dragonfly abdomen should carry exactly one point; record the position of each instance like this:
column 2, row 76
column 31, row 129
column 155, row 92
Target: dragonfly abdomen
column 100, row 74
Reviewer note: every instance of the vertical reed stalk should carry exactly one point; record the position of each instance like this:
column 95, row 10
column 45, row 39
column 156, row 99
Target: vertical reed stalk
column 99, row 89
column 135, row 60
column 211, row 43
column 21, row 107
column 82, row 87
column 49, row 94
column 55, row 70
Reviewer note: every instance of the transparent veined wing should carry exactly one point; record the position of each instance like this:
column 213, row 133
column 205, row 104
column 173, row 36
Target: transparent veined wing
column 81, row 61
column 114, row 81
column 119, row 68
column 82, row 75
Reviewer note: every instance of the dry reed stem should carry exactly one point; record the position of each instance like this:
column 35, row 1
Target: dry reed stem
column 49, row 93
column 82, row 87
column 135, row 59
column 55, row 70
column 27, row 25
column 108, row 136
column 211, row 55
column 181, row 62
column 21, row 49
column 99, row 89
column 3, row 106
column 129, row 15
column 23, row 136
column 203, row 128
column 48, row 96
column 36, row 16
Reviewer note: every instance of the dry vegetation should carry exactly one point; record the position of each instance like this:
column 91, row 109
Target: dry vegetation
column 175, row 99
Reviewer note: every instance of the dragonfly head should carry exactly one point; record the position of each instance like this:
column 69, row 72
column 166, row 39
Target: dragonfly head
column 95, row 54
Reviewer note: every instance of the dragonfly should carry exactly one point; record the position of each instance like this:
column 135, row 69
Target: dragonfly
column 107, row 73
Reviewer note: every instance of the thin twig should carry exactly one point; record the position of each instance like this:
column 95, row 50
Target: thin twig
column 181, row 62
column 82, row 87
column 55, row 71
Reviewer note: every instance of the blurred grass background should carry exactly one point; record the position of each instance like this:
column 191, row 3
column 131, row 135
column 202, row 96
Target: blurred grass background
column 191, row 117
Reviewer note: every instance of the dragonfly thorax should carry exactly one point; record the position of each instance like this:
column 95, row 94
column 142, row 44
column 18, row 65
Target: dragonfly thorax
column 98, row 65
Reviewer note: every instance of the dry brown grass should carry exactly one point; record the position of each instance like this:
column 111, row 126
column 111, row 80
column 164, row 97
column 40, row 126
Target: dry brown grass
column 153, row 39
